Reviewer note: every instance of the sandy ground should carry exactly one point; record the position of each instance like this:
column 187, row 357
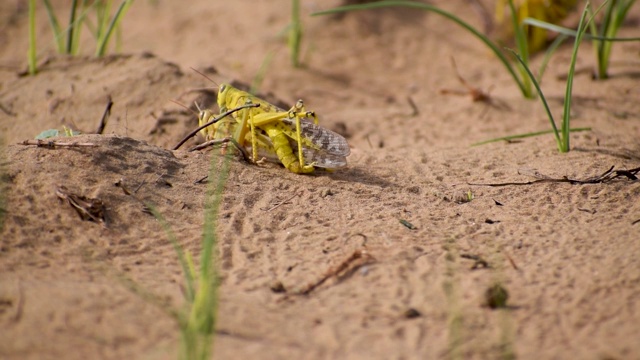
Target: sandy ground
column 566, row 253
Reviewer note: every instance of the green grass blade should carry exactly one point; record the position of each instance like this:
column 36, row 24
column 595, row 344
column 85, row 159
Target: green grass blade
column 197, row 329
column 184, row 263
column 77, row 26
column 615, row 19
column 573, row 33
column 526, row 135
column 118, row 46
column 102, row 18
column 72, row 26
column 598, row 45
column 520, row 36
column 607, row 28
column 103, row 41
column 381, row 4
column 521, row 43
column 202, row 319
column 55, row 25
column 608, row 17
column 542, row 98
column 582, row 28
column 295, row 33
column 72, row 31
column 603, row 37
column 31, row 53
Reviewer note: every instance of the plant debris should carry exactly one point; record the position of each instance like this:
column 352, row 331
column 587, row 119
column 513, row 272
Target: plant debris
column 105, row 116
column 87, row 208
column 408, row 225
column 346, row 268
column 282, row 202
column 496, row 296
column 54, row 144
column 605, row 177
column 411, row 313
column 478, row 263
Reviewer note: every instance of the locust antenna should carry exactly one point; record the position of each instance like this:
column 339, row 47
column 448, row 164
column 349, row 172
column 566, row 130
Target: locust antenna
column 205, row 76
column 185, row 106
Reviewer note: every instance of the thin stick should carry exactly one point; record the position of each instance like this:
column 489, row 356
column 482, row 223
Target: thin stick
column 201, row 180
column 105, row 116
column 53, row 144
column 283, row 202
column 242, row 150
column 513, row 263
column 414, row 107
column 359, row 257
column 607, row 176
column 194, row 132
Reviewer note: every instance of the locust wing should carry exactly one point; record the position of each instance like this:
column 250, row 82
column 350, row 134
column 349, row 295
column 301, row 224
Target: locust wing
column 320, row 146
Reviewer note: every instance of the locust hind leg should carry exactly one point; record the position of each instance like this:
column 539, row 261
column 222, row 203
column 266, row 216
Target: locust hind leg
column 283, row 149
column 271, row 122
column 298, row 112
column 274, row 119
column 246, row 124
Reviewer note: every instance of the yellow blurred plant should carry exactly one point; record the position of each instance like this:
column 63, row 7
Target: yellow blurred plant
column 550, row 11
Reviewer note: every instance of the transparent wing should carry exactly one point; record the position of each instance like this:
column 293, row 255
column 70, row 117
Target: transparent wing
column 324, row 139
column 320, row 159
column 316, row 156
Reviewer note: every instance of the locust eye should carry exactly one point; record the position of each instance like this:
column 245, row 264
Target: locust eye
column 222, row 87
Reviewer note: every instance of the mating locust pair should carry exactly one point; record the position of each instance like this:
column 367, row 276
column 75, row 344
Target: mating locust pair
column 261, row 130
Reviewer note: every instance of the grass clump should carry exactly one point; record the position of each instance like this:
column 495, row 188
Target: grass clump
column 67, row 39
column 197, row 320
column 562, row 135
column 614, row 15
column 602, row 36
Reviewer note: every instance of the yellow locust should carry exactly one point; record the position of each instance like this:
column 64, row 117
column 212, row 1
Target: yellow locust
column 291, row 137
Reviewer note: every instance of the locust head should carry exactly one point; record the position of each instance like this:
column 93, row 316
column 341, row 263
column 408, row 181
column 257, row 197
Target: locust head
column 204, row 116
column 223, row 96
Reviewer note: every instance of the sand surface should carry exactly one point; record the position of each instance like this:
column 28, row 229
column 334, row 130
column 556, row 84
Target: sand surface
column 567, row 253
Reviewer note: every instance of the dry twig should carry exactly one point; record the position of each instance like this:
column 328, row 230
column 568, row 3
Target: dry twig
column 105, row 116
column 605, row 177
column 54, row 144
column 346, row 268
